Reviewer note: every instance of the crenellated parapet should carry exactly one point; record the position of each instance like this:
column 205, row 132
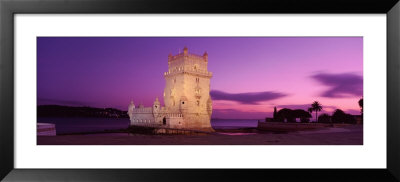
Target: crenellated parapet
column 192, row 71
column 191, row 56
column 142, row 110
column 188, row 63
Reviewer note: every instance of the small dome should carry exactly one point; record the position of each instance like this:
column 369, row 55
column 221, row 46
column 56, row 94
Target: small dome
column 156, row 102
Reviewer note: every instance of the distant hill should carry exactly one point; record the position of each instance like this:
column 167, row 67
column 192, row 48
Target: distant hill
column 69, row 111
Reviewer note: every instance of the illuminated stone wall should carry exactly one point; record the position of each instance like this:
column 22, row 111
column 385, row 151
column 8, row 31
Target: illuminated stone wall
column 186, row 95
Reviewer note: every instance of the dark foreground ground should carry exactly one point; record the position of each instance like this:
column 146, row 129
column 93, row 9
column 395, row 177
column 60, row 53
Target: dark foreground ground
column 347, row 135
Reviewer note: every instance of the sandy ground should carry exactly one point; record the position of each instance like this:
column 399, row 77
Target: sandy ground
column 348, row 135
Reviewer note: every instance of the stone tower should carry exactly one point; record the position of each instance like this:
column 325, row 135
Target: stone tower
column 187, row 89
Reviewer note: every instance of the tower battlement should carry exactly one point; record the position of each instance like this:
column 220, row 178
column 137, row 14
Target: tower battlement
column 190, row 56
column 187, row 55
column 188, row 63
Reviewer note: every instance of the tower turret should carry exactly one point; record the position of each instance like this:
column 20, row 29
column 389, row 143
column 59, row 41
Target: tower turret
column 156, row 104
column 131, row 107
column 205, row 56
column 156, row 107
column 169, row 57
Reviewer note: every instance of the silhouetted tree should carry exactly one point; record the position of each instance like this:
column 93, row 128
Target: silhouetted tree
column 341, row 117
column 338, row 116
column 285, row 114
column 316, row 106
column 310, row 110
column 324, row 118
column 302, row 114
column 360, row 103
column 350, row 119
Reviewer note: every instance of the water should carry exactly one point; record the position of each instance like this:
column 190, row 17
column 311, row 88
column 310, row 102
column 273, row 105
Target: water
column 233, row 123
column 76, row 125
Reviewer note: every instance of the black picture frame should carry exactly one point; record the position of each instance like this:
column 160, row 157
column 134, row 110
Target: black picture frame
column 9, row 8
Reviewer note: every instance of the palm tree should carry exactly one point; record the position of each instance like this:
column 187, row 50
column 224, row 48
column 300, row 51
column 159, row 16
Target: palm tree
column 360, row 103
column 316, row 106
column 310, row 110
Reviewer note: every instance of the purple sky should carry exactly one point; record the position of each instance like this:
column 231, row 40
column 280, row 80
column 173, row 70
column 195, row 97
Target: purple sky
column 250, row 75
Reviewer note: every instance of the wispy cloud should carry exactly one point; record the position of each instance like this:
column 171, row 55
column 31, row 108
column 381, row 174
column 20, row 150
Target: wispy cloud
column 341, row 85
column 246, row 98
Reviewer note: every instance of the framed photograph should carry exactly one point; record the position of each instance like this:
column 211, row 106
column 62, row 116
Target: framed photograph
column 153, row 90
